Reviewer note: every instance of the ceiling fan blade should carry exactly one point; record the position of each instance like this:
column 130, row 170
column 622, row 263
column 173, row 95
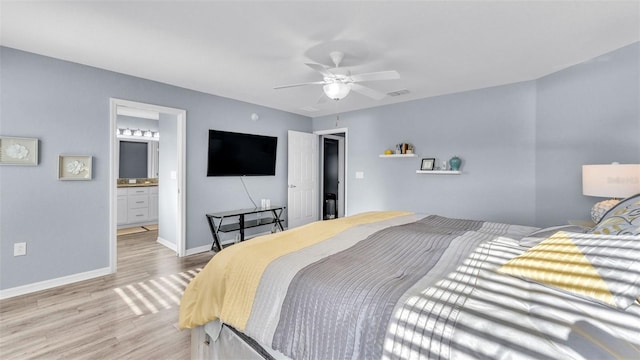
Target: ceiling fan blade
column 322, row 99
column 321, row 69
column 367, row 91
column 301, row 84
column 374, row 76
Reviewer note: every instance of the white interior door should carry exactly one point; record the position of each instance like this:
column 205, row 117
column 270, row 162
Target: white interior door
column 302, row 178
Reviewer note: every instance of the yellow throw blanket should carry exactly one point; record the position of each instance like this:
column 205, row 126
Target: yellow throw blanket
column 226, row 287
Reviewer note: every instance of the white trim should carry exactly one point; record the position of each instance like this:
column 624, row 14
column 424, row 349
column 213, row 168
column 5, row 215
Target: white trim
column 205, row 248
column 181, row 228
column 51, row 283
column 114, row 155
column 198, row 250
column 166, row 243
column 181, row 116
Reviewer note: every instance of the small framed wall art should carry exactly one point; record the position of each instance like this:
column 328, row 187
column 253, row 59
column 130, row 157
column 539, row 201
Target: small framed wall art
column 427, row 164
column 18, row 151
column 74, row 167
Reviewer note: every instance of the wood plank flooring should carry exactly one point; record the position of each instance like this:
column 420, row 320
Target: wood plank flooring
column 92, row 320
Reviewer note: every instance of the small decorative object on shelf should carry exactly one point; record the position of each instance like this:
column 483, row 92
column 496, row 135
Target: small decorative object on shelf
column 404, row 148
column 454, row 163
column 427, row 164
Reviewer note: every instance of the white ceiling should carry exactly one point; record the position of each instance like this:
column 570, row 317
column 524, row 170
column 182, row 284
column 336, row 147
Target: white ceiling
column 241, row 50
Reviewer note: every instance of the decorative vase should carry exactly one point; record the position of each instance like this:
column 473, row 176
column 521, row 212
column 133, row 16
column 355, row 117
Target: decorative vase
column 454, row 163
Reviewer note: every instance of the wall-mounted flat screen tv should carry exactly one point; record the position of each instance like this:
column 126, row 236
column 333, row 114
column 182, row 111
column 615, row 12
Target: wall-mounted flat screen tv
column 238, row 154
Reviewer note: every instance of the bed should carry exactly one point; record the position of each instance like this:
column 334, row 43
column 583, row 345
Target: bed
column 399, row 285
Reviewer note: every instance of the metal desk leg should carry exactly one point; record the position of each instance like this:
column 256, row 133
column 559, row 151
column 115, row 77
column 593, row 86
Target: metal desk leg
column 242, row 228
column 276, row 218
column 214, row 232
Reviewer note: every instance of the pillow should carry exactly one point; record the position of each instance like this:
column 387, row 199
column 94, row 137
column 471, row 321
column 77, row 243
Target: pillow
column 605, row 268
column 622, row 219
column 538, row 236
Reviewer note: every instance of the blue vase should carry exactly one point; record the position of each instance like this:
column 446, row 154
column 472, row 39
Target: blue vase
column 454, row 163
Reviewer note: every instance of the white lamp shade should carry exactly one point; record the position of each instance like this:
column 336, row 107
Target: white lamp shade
column 611, row 181
column 337, row 90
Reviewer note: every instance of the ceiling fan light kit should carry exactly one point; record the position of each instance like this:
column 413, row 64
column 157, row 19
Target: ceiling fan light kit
column 337, row 90
column 338, row 82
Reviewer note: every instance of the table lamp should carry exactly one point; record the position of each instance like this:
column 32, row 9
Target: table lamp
column 614, row 181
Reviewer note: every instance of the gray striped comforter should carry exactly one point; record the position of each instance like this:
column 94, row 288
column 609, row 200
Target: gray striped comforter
column 335, row 300
column 425, row 287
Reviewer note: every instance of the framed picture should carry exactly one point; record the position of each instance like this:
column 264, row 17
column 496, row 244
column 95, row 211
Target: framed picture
column 427, row 164
column 74, row 167
column 18, row 151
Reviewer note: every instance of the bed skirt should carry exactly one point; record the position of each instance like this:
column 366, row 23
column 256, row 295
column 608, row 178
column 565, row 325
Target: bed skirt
column 216, row 341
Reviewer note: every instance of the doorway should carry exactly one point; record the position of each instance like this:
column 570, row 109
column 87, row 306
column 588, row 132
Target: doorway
column 305, row 176
column 332, row 184
column 171, row 214
column 333, row 170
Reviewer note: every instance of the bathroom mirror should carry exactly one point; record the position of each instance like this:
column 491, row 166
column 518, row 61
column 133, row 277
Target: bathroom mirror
column 138, row 159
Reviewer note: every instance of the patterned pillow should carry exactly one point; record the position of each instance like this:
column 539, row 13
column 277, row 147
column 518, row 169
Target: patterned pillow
column 605, row 268
column 622, row 219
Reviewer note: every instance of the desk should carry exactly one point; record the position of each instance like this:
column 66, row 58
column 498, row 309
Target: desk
column 241, row 223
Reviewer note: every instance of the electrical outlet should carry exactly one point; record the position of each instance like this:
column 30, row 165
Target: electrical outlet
column 20, row 249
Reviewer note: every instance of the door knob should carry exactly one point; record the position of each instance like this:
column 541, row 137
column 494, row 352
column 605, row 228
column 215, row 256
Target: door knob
column 291, row 186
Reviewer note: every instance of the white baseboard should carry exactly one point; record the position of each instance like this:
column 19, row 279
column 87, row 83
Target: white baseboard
column 198, row 250
column 48, row 284
column 167, row 244
column 205, row 248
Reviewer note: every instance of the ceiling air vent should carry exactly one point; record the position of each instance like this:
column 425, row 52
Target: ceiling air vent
column 398, row 93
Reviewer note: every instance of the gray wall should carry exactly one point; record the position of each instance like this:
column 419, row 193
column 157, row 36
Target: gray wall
column 66, row 106
column 587, row 114
column 492, row 130
column 522, row 145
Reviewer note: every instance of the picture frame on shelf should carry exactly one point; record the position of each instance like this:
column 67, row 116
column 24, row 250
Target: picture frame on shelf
column 18, row 151
column 427, row 164
column 75, row 167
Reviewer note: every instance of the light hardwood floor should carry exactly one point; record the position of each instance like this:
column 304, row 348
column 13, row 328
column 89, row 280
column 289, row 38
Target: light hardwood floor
column 132, row 314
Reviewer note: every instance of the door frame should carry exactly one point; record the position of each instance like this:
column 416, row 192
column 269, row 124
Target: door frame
column 320, row 133
column 181, row 116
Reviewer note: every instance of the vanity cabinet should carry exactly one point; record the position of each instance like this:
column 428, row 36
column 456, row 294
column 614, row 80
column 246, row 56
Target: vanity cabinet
column 122, row 206
column 137, row 205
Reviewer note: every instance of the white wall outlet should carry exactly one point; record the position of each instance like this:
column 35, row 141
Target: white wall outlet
column 359, row 174
column 20, row 249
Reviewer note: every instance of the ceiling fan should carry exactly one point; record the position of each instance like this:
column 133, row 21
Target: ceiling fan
column 338, row 82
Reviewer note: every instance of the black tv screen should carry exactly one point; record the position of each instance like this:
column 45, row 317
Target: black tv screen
column 237, row 154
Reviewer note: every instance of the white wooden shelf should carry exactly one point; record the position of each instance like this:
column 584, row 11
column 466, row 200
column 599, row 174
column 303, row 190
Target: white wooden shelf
column 398, row 155
column 439, row 172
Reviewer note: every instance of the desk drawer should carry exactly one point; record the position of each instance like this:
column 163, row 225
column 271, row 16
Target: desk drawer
column 138, row 215
column 138, row 201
